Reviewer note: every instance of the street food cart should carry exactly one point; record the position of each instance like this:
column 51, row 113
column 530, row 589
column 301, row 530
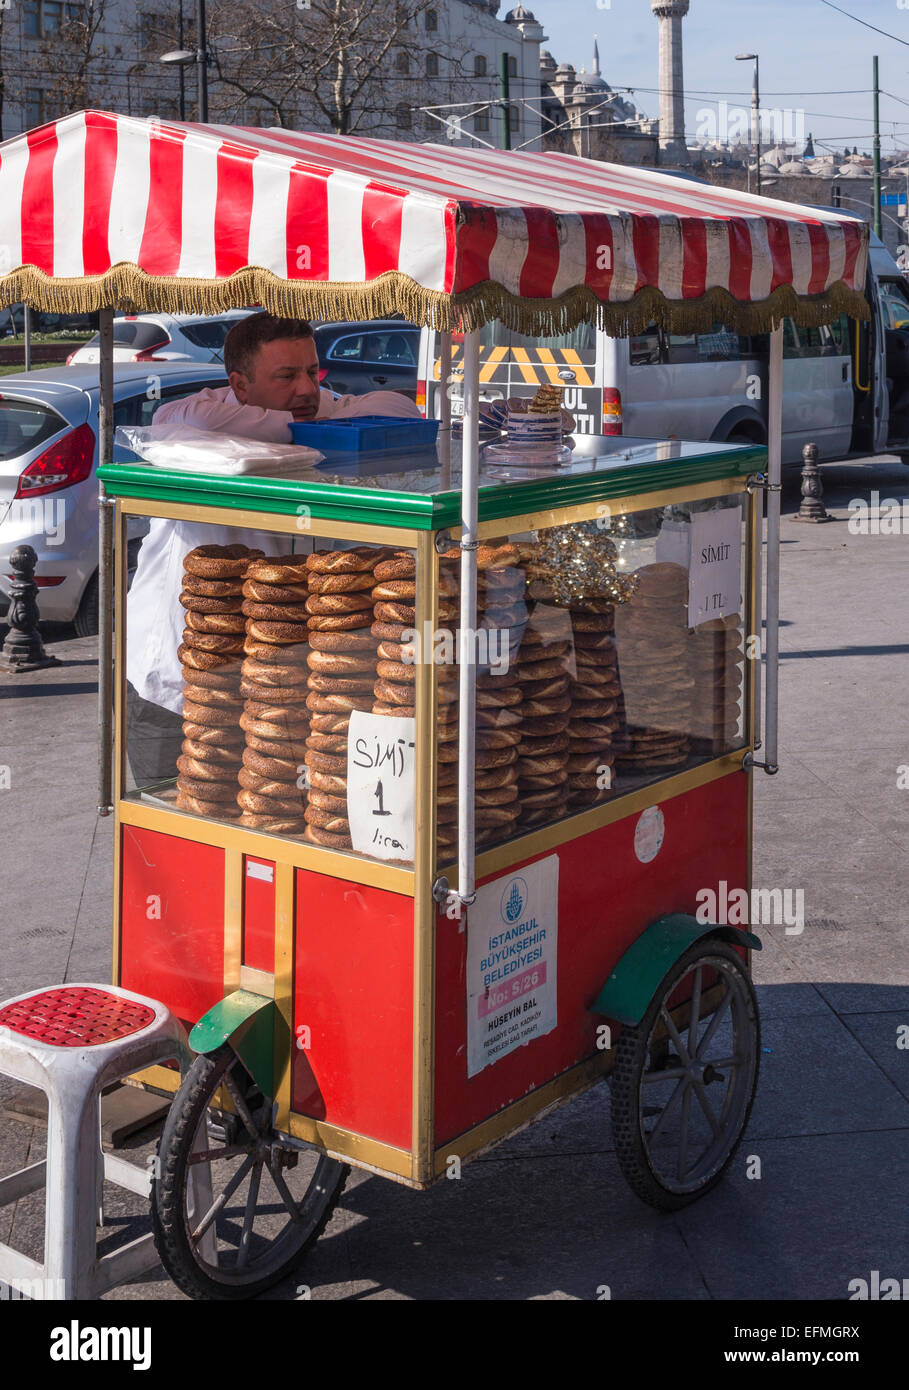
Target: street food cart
column 468, row 731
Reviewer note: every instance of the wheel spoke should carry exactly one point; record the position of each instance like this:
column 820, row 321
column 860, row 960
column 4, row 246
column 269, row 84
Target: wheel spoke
column 670, row 1074
column 274, row 1168
column 674, row 1033
column 212, row 1155
column 225, row 1196
column 679, row 1090
column 683, row 1137
column 249, row 1215
column 240, row 1103
column 715, row 1021
column 694, row 1016
column 701, row 1093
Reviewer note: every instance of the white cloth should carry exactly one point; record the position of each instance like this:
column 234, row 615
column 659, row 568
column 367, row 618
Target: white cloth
column 154, row 615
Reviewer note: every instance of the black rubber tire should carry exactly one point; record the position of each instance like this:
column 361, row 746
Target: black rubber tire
column 625, row 1085
column 169, row 1186
column 86, row 619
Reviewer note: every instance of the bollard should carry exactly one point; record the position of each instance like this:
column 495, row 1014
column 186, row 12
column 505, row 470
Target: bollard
column 23, row 649
column 812, row 508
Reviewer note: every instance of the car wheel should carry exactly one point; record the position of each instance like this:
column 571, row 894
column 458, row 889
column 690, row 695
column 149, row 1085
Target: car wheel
column 86, row 619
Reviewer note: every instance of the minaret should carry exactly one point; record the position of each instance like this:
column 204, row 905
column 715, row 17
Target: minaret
column 670, row 13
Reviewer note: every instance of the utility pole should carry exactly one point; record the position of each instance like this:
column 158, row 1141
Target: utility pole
column 182, row 73
column 506, row 107
column 202, row 60
column 877, row 155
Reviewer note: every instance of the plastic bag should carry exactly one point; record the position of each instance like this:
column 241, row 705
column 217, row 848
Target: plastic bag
column 204, row 451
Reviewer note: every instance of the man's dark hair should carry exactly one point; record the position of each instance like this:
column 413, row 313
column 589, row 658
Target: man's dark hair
column 242, row 343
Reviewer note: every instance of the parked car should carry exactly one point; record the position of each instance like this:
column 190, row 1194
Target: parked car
column 376, row 355
column 164, row 338
column 48, row 454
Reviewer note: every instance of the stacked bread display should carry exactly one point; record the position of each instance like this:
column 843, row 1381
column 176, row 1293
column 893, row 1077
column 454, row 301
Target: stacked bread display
column 543, row 665
column 210, row 656
column 342, row 674
column 595, row 724
column 652, row 638
column 717, row 664
column 272, row 792
column 502, row 614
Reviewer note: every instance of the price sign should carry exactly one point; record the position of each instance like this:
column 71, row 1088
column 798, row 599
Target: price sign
column 381, row 777
column 714, row 571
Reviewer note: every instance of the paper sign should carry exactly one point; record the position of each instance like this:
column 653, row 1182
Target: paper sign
column 381, row 778
column 714, row 574
column 512, row 952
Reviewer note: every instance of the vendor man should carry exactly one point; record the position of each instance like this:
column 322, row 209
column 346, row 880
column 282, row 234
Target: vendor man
column 273, row 370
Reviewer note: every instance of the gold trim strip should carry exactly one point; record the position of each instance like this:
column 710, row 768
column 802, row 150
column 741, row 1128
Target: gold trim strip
column 233, row 918
column 159, row 1078
column 257, row 981
column 423, row 908
column 352, row 1148
column 551, row 836
column 521, row 1113
column 618, row 506
column 186, row 826
column 271, row 521
column 285, row 915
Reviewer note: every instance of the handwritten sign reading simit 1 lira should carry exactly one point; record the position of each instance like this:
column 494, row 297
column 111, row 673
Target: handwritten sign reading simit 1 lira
column 381, row 777
column 715, row 567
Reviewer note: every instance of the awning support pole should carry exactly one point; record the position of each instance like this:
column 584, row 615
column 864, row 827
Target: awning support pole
column 467, row 643
column 445, row 409
column 105, row 565
column 774, row 485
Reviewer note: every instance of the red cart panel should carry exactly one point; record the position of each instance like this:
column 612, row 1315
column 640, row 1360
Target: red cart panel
column 606, row 899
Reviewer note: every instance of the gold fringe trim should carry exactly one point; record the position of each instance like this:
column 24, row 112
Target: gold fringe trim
column 127, row 288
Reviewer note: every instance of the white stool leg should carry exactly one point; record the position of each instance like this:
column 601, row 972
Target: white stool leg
column 73, row 1162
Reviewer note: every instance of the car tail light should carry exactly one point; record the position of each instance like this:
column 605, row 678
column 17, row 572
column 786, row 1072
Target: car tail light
column 612, row 410
column 148, row 354
column 323, row 373
column 421, row 396
column 46, row 581
column 61, row 465
column 71, row 356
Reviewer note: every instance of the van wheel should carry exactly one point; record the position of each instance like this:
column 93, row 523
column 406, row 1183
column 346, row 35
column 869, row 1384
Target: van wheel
column 904, row 458
column 86, row 619
column 740, row 437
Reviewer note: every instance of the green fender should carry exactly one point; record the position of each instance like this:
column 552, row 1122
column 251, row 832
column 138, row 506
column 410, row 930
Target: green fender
column 633, row 983
column 247, row 1022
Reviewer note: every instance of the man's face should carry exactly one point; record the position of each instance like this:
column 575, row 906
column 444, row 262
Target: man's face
column 286, row 377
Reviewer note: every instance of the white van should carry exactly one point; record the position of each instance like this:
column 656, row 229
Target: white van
column 845, row 385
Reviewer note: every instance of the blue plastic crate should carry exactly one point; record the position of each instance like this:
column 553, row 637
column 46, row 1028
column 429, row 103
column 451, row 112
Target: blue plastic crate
column 365, row 434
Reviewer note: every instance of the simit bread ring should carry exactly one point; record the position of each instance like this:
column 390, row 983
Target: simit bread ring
column 265, row 674
column 221, row 790
column 328, row 743
column 281, row 769
column 396, row 613
column 274, row 654
column 393, row 632
column 278, row 569
column 347, row 685
column 213, row 642
column 215, row 622
column 397, row 651
column 340, row 583
column 394, row 694
column 289, row 748
column 396, row 671
column 327, row 723
column 395, row 590
column 216, row 810
column 274, row 612
column 260, row 592
column 203, row 770
column 496, row 556
column 268, row 805
column 341, row 663
column 394, row 711
column 401, row 565
column 532, row 709
column 497, row 796
column 212, row 680
column 327, row 820
column 361, row 640
column 270, row 729
column 212, row 588
column 219, row 561
column 338, row 603
column 339, row 622
column 289, row 825
column 325, row 762
column 355, row 561
column 204, row 661
column 326, row 802
column 283, row 789
column 326, row 839
column 280, row 633
column 210, row 752
column 224, row 700
column 229, row 738
column 328, row 782
column 545, row 690
column 199, row 604
column 337, row 704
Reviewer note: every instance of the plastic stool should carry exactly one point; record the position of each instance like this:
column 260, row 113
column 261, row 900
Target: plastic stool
column 71, row 1042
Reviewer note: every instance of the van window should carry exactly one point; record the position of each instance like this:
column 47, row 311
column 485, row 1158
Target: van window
column 717, row 344
column 895, row 304
column 582, row 338
column 644, row 348
column 828, row 340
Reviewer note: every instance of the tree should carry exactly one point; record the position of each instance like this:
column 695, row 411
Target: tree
column 69, row 64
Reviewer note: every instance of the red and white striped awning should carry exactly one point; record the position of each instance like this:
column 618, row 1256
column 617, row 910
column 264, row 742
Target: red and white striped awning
column 98, row 209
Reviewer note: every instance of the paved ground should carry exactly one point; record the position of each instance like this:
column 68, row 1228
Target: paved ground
column 547, row 1215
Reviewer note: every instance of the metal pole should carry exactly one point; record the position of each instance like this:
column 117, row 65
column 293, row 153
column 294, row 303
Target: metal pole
column 105, row 564
column 445, row 411
column 756, row 102
column 504, row 93
column 180, row 69
column 202, row 60
column 877, row 153
column 27, row 335
column 774, row 471
column 467, row 644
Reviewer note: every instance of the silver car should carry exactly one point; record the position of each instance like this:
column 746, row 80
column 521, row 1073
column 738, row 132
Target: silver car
column 164, row 338
column 48, row 489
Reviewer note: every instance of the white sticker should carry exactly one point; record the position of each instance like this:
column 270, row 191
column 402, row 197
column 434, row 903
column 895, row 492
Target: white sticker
column 512, row 952
column 264, row 871
column 648, row 834
column 381, row 778
column 714, row 574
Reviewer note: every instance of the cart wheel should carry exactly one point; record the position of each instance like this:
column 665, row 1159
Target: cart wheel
column 233, row 1209
column 682, row 1088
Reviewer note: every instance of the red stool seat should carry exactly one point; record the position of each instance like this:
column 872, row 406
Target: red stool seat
column 75, row 1017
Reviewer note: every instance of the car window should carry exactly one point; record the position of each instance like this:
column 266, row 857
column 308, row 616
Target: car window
column 128, row 333
column 24, row 425
column 392, row 347
column 148, row 408
column 896, row 307
column 644, row 348
column 349, row 349
column 208, row 335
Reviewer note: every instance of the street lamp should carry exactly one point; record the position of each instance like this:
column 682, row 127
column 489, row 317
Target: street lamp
column 755, row 112
column 184, row 56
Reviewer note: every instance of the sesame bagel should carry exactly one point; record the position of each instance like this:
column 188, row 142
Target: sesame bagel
column 341, row 663
column 327, row 820
column 326, row 802
column 274, row 612
column 395, row 591
column 264, row 673
column 212, row 642
column 339, row 622
column 278, row 569
column 212, row 680
column 275, row 654
column 401, row 565
column 230, row 738
column 360, row 640
column 287, row 825
column 329, row 722
column 201, row 806
column 268, row 805
column 291, row 749
column 258, row 630
column 337, row 704
column 198, row 603
column 292, row 791
column 204, row 695
column 281, row 769
column 328, row 743
column 354, row 561
column 396, row 613
column 219, row 561
column 399, row 671
column 394, row 711
column 211, row 752
column 333, row 604
column 222, row 789
column 258, row 592
column 340, row 583
column 324, row 837
column 328, row 782
column 206, row 770
column 340, row 685
column 325, row 762
column 274, row 731
column 277, row 694
column 212, row 588
column 215, row 622
column 204, row 661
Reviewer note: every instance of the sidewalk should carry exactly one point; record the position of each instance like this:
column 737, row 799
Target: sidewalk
column 547, row 1215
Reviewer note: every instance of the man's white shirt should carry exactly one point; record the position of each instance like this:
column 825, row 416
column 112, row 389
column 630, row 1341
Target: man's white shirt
column 155, row 616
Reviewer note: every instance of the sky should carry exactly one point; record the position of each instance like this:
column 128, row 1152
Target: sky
column 815, row 63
